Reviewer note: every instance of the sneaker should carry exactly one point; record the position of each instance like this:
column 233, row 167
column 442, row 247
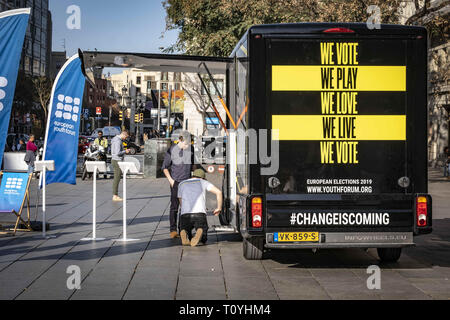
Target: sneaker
column 184, row 238
column 197, row 237
column 174, row 234
column 117, row 198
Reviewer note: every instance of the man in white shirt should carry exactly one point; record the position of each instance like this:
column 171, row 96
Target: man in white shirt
column 192, row 195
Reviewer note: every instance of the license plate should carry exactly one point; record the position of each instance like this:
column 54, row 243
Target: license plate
column 296, row 236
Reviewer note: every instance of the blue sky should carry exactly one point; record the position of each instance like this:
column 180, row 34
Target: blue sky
column 112, row 25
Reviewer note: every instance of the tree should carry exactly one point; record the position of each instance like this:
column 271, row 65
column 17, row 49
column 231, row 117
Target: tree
column 42, row 91
column 23, row 95
column 194, row 92
column 213, row 27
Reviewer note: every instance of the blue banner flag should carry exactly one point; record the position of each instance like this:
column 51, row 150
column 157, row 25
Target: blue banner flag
column 61, row 136
column 13, row 25
column 12, row 191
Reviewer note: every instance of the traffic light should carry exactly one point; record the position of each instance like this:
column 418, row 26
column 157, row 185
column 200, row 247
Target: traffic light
column 136, row 118
column 120, row 115
column 141, row 117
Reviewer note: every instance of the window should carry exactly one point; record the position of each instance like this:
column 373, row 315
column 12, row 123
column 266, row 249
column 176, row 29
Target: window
column 37, row 17
column 138, row 80
column 36, row 67
column 43, row 54
column 164, row 76
column 37, row 34
column 138, row 90
column 164, row 86
column 27, row 63
column 177, row 76
column 151, row 85
column 211, row 88
column 36, row 50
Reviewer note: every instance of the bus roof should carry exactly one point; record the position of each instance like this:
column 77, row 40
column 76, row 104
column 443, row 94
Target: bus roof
column 320, row 27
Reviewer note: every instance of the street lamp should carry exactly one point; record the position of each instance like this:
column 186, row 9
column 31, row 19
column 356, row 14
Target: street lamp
column 111, row 98
column 140, row 103
column 124, row 92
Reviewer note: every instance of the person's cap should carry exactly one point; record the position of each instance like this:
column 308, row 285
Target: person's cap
column 199, row 173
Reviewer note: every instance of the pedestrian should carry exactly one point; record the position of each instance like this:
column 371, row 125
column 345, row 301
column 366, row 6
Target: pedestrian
column 21, row 146
column 177, row 167
column 447, row 163
column 101, row 140
column 117, row 154
column 192, row 197
column 30, row 155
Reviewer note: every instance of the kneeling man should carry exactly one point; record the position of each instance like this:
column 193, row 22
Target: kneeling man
column 192, row 195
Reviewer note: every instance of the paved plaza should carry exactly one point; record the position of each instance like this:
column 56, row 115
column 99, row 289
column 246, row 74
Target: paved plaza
column 156, row 267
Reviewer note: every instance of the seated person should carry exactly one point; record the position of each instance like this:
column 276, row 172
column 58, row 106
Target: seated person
column 101, row 140
column 192, row 195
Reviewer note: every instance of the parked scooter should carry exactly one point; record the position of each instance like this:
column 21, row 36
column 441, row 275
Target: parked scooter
column 93, row 153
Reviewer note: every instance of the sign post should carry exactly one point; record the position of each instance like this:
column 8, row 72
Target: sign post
column 94, row 166
column 126, row 167
column 43, row 167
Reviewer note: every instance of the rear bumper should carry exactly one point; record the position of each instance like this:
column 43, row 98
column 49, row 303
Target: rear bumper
column 348, row 240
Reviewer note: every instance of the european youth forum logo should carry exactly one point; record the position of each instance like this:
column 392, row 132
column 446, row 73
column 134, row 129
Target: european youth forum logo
column 67, row 108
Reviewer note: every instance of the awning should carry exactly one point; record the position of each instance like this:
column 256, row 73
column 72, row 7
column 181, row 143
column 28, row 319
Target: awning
column 152, row 62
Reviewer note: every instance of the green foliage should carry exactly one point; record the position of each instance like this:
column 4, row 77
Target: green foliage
column 213, row 27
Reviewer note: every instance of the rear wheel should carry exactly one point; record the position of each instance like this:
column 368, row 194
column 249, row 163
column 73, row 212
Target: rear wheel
column 225, row 214
column 389, row 254
column 253, row 248
column 132, row 151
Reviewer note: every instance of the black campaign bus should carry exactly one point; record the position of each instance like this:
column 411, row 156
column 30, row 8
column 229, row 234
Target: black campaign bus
column 347, row 107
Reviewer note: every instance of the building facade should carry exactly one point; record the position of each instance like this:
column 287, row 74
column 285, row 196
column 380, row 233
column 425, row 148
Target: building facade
column 190, row 106
column 435, row 16
column 57, row 60
column 36, row 53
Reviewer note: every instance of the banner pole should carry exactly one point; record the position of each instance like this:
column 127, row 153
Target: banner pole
column 43, row 201
column 94, row 204
column 125, row 205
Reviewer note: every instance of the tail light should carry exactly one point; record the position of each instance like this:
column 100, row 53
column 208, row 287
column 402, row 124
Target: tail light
column 257, row 212
column 338, row 30
column 421, row 211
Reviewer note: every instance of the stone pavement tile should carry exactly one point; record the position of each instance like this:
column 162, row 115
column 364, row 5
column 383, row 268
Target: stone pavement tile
column 355, row 258
column 393, row 285
column 150, row 284
column 248, row 288
column 428, row 273
column 243, row 268
column 288, row 272
column 111, row 284
column 355, row 289
column 333, row 274
column 306, row 258
column 200, row 288
column 438, row 289
column 291, row 288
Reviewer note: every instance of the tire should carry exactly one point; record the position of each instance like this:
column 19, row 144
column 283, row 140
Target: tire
column 84, row 174
column 132, row 151
column 389, row 254
column 253, row 248
column 225, row 214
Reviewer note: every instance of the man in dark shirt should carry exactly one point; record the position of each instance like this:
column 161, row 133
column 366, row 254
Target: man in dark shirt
column 177, row 167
